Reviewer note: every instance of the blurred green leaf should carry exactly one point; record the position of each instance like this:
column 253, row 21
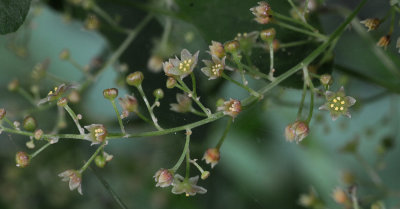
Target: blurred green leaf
column 12, row 14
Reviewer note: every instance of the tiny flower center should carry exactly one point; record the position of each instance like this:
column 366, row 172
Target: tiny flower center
column 185, row 65
column 98, row 132
column 55, row 90
column 337, row 104
column 215, row 70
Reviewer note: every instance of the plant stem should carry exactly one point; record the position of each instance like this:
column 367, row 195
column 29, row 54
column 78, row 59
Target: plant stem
column 301, row 16
column 193, row 83
column 185, row 149
column 303, row 96
column 39, row 150
column 187, row 164
column 240, row 67
column 75, row 119
column 140, row 115
column 121, row 125
column 108, row 18
column 293, row 28
column 78, row 66
column 197, row 166
column 310, row 84
column 9, row 122
column 194, row 97
column 294, row 43
column 194, row 111
column 290, row 19
column 107, row 186
column 153, row 117
column 250, row 90
column 26, row 95
column 86, row 165
column 271, row 61
column 222, row 139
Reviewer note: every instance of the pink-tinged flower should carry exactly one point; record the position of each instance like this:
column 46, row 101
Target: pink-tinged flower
column 97, row 133
column 164, row 178
column 181, row 67
column 214, row 68
column 217, row 49
column 262, row 12
column 296, row 131
column 340, row 196
column 184, row 104
column 22, row 159
column 231, row 107
column 74, row 178
column 384, row 41
column 338, row 103
column 187, row 186
column 129, row 104
column 212, row 156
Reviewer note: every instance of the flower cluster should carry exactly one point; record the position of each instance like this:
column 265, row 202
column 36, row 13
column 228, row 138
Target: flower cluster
column 262, row 12
column 231, row 108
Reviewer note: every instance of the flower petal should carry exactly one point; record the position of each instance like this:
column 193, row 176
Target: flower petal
column 185, row 55
column 351, row 101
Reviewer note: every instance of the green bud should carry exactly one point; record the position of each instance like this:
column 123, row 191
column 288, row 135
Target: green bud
column 38, row 134
column 22, row 159
column 232, row 46
column 268, row 35
column 135, row 79
column 29, row 123
column 205, row 175
column 171, row 82
column 13, row 85
column 62, row 102
column 158, row 93
column 2, row 113
column 220, row 102
column 100, row 161
column 64, row 55
column 110, row 94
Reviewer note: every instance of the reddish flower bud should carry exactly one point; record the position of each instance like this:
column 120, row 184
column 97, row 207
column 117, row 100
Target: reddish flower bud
column 212, row 156
column 22, row 159
column 340, row 196
column 62, row 102
column 217, row 49
column 232, row 46
column 110, row 94
column 262, row 12
column 164, row 178
column 296, row 131
column 38, row 134
column 231, row 107
column 2, row 113
column 171, row 82
column 268, row 35
column 135, row 79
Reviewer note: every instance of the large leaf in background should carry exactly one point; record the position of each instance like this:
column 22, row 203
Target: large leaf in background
column 12, row 14
column 221, row 20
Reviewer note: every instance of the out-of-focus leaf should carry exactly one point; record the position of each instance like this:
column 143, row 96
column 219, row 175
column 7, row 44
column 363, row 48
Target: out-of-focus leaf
column 210, row 18
column 12, row 14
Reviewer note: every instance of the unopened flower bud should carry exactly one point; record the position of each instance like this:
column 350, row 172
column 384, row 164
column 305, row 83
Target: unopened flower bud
column 268, row 35
column 339, row 196
column 155, row 63
column 92, row 22
column 232, row 46
column 22, row 159
column 212, row 156
column 38, row 134
column 13, row 85
column 29, row 123
column 62, row 102
column 171, row 82
column 262, row 12
column 163, row 177
column 296, row 131
column 384, row 41
column 100, row 161
column 217, row 49
column 129, row 103
column 326, row 79
column 64, row 55
column 110, row 94
column 135, row 79
column 74, row 96
column 2, row 113
column 158, row 93
column 205, row 175
column 371, row 23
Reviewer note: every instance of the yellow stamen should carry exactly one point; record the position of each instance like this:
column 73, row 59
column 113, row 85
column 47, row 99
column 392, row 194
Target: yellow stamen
column 341, row 108
column 338, row 98
column 334, row 100
column 342, row 102
column 332, row 105
column 336, row 108
column 50, row 92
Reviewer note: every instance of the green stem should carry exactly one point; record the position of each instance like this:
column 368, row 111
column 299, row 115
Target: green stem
column 187, row 164
column 141, row 116
column 75, row 119
column 108, row 18
column 197, row 166
column 301, row 16
column 121, row 125
column 222, row 139
column 153, row 117
column 27, row 96
column 86, row 165
column 78, row 66
column 194, row 97
column 290, row 19
column 9, row 122
column 166, row 33
column 293, row 28
column 240, row 67
column 185, row 149
column 107, row 186
column 250, row 90
column 271, row 61
column 39, row 150
column 255, row 72
column 310, row 84
column 303, row 96
column 295, row 43
column 194, row 111
column 193, row 83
